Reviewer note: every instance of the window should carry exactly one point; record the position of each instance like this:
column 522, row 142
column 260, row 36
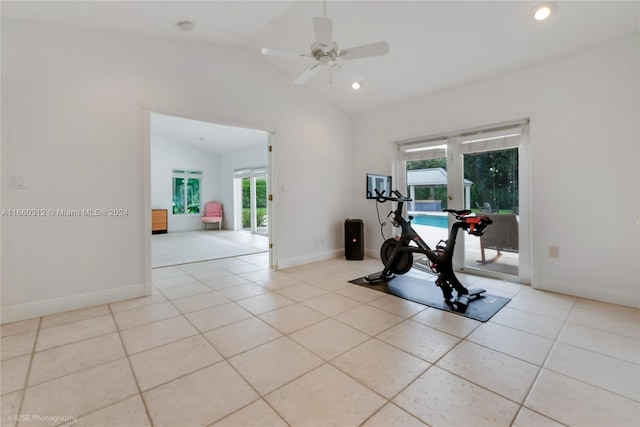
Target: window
column 186, row 191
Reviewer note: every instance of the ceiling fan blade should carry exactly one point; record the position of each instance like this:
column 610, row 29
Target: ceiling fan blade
column 307, row 74
column 323, row 28
column 267, row 51
column 345, row 73
column 366, row 50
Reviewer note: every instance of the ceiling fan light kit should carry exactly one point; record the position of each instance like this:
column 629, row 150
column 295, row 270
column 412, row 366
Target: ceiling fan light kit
column 328, row 55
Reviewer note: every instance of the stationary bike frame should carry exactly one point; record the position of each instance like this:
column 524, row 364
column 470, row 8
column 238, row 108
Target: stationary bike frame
column 397, row 254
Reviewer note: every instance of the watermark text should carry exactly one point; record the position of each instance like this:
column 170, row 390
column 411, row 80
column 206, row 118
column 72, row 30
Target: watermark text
column 60, row 212
column 38, row 418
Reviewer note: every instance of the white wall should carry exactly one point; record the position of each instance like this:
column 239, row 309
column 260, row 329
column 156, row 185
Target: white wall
column 584, row 141
column 74, row 127
column 167, row 155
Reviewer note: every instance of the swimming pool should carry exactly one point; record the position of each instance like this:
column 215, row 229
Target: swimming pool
column 440, row 221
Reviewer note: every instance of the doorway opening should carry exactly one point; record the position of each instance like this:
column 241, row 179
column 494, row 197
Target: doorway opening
column 207, row 154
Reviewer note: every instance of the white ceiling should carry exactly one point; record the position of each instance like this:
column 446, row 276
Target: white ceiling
column 433, row 44
column 206, row 136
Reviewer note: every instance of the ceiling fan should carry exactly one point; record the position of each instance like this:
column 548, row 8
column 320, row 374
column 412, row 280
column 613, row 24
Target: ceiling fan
column 327, row 53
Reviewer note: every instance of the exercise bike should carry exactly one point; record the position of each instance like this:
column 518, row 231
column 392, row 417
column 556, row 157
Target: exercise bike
column 397, row 253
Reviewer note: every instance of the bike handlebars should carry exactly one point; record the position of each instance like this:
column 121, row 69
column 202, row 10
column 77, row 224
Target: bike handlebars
column 381, row 198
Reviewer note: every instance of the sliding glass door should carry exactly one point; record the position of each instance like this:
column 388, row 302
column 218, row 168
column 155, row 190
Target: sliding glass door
column 251, row 200
column 482, row 171
column 495, row 193
column 260, row 220
column 427, row 186
column 246, row 202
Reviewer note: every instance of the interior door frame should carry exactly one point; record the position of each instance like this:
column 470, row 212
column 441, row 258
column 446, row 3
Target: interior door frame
column 145, row 120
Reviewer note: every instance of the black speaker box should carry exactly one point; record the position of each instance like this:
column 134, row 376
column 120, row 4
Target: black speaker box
column 354, row 239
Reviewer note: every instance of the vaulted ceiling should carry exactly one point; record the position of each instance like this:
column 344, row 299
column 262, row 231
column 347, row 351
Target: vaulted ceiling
column 433, row 44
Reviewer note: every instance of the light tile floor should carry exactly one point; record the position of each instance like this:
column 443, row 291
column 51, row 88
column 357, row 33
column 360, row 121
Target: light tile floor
column 230, row 343
column 183, row 247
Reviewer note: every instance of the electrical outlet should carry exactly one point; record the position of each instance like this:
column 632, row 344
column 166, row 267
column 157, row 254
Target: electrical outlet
column 554, row 252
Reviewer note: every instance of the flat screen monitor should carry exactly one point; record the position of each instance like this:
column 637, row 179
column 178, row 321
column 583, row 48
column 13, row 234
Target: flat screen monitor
column 382, row 183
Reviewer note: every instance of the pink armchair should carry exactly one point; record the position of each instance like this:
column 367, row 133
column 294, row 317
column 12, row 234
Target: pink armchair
column 212, row 214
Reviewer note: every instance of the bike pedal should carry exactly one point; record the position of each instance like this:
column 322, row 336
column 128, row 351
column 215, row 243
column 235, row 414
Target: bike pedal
column 476, row 292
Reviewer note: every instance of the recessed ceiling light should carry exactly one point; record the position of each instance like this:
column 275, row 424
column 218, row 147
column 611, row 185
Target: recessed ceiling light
column 185, row 25
column 542, row 11
column 356, row 85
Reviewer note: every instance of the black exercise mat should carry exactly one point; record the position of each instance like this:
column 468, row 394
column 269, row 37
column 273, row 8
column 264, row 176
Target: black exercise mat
column 423, row 290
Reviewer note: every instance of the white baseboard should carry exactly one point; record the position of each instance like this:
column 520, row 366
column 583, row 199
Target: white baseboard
column 59, row 305
column 597, row 293
column 306, row 259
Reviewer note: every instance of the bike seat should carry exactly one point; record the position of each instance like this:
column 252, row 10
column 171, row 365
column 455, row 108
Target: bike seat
column 455, row 212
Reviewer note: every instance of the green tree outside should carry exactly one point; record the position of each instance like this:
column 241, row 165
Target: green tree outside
column 494, row 175
column 261, row 201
